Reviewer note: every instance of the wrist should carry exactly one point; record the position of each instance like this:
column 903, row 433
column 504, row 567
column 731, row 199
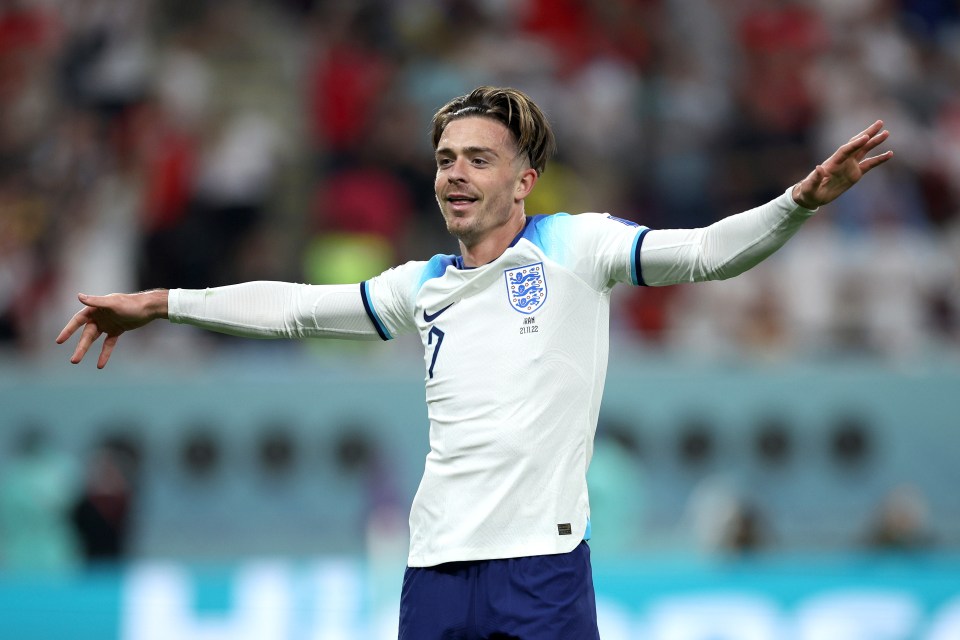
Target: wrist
column 798, row 197
column 157, row 303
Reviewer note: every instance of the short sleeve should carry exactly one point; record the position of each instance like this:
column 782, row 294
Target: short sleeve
column 600, row 248
column 389, row 299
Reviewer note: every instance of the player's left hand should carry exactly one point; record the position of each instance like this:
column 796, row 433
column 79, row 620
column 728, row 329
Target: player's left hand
column 843, row 169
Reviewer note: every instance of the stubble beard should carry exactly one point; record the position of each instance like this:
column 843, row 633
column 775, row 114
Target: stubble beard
column 466, row 231
column 471, row 230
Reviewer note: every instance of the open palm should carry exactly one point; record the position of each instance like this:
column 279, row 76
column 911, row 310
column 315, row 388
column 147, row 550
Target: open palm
column 843, row 169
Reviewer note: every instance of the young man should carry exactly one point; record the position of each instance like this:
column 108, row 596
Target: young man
column 515, row 337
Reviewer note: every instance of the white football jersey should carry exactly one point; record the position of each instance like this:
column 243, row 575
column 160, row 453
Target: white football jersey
column 515, row 357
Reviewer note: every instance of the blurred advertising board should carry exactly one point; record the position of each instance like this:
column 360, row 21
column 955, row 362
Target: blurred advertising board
column 850, row 598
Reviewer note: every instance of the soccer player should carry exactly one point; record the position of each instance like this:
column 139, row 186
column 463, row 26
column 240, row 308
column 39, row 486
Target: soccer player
column 515, row 338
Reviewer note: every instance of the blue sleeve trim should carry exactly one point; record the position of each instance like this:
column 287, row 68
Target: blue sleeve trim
column 636, row 271
column 368, row 307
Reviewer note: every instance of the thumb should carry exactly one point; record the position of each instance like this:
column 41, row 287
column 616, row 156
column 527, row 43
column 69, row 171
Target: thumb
column 93, row 301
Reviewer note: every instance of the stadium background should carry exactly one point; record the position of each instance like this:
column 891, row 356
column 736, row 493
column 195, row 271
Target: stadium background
column 776, row 456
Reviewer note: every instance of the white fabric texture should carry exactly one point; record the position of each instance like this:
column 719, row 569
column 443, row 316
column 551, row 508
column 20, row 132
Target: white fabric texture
column 724, row 249
column 265, row 309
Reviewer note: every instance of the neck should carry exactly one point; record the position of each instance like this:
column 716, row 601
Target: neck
column 494, row 244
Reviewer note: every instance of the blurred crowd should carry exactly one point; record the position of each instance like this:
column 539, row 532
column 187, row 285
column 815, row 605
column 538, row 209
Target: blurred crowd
column 56, row 514
column 191, row 143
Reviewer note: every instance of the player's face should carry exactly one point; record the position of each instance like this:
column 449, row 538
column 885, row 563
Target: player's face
column 481, row 182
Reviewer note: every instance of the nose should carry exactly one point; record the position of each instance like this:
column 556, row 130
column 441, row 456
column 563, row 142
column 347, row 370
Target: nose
column 455, row 172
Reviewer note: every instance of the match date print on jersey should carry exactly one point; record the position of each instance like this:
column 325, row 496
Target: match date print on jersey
column 529, row 326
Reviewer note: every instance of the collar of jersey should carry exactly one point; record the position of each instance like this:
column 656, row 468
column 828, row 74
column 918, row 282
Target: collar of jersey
column 529, row 225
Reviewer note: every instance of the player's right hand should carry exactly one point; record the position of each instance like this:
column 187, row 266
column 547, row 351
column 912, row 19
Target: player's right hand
column 112, row 315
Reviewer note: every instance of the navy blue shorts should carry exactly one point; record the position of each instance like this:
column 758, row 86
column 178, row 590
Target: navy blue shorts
column 531, row 598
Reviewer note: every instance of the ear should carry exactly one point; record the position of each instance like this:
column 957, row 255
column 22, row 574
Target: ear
column 525, row 182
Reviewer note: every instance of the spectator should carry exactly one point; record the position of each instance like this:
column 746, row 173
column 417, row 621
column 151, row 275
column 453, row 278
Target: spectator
column 901, row 522
column 102, row 513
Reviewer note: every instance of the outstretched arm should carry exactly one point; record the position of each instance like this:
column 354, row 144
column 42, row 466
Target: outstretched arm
column 252, row 310
column 112, row 315
column 739, row 242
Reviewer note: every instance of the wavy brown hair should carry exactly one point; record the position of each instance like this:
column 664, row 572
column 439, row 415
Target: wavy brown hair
column 511, row 107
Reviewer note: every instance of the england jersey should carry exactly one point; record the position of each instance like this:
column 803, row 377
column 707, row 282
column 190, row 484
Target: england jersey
column 515, row 356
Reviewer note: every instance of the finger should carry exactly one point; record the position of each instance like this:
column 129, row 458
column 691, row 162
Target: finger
column 849, row 149
column 870, row 163
column 79, row 319
column 96, row 301
column 821, row 173
column 875, row 141
column 869, row 131
column 90, row 334
column 108, row 344
column 818, row 176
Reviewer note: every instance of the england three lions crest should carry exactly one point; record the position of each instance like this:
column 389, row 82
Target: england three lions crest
column 526, row 287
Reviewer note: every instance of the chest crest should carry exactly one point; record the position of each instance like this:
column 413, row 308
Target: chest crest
column 526, row 287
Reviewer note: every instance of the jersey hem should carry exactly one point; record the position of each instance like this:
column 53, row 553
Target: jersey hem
column 431, row 560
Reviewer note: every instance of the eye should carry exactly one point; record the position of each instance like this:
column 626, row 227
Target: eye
column 478, row 162
column 442, row 163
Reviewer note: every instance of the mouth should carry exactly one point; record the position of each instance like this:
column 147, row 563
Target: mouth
column 460, row 201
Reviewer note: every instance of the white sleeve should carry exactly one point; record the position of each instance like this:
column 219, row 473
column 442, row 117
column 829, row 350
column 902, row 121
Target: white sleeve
column 724, row 249
column 275, row 310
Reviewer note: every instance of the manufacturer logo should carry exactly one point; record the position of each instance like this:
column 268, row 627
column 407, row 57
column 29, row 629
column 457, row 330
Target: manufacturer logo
column 430, row 317
column 526, row 287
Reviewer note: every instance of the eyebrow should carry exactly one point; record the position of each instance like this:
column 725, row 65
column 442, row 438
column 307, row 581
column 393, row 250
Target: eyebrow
column 447, row 151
